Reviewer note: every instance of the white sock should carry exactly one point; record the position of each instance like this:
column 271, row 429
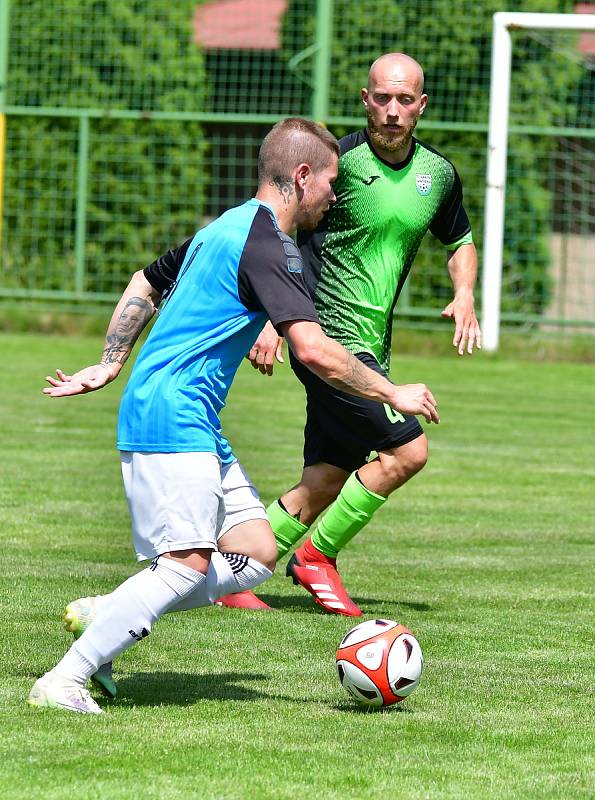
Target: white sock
column 228, row 573
column 127, row 615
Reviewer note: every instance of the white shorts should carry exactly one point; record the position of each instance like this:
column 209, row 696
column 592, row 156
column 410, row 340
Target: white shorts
column 182, row 501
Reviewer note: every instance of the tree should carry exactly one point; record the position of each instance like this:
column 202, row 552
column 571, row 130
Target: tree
column 146, row 178
column 453, row 43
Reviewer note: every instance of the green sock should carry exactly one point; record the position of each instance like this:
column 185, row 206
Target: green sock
column 352, row 509
column 287, row 529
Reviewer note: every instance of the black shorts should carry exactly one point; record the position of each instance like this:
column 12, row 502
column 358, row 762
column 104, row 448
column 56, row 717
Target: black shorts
column 343, row 430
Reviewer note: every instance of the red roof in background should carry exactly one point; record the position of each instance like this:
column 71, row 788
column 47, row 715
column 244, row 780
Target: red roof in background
column 255, row 25
column 239, row 24
column 587, row 40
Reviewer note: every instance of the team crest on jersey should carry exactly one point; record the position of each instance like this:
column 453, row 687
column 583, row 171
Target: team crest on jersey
column 423, row 183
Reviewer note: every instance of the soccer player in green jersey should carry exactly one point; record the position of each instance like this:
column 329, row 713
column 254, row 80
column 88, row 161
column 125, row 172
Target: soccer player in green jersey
column 391, row 190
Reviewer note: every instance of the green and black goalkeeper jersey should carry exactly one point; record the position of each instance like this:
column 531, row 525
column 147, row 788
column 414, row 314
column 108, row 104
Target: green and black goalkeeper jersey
column 357, row 260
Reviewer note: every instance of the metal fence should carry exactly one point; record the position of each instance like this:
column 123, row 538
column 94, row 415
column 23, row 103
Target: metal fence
column 125, row 125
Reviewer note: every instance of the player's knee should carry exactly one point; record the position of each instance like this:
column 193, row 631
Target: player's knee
column 270, row 563
column 417, row 455
column 266, row 552
column 404, row 462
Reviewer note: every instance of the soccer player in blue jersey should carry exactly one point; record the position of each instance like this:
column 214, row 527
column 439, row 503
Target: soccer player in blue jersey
column 194, row 511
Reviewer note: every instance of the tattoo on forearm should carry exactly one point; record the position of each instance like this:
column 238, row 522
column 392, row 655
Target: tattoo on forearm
column 284, row 186
column 121, row 338
column 355, row 376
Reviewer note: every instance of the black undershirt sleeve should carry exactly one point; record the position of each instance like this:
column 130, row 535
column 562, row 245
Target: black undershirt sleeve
column 451, row 221
column 162, row 273
column 270, row 274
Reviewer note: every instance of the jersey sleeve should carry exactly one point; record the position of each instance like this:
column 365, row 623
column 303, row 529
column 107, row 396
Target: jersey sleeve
column 270, row 274
column 162, row 273
column 451, row 224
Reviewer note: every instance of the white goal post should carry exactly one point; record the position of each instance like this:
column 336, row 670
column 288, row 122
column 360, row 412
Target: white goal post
column 504, row 23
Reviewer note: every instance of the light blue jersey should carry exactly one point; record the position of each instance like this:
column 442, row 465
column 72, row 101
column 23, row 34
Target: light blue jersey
column 235, row 274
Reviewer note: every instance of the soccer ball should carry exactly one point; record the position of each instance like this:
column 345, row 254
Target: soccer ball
column 379, row 662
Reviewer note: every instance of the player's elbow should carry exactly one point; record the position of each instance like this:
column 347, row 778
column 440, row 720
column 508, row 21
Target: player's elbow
column 309, row 352
column 140, row 287
column 308, row 344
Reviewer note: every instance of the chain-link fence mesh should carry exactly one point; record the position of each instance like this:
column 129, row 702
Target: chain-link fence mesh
column 129, row 124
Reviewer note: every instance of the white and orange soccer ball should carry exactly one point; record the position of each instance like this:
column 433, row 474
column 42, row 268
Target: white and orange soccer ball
column 379, row 662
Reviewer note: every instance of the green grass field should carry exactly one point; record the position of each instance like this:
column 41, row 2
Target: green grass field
column 487, row 556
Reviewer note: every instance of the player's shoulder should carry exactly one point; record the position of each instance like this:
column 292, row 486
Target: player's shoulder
column 266, row 234
column 352, row 140
column 236, row 220
column 257, row 220
column 426, row 151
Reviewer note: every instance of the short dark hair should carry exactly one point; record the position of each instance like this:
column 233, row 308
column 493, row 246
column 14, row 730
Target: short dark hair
column 291, row 142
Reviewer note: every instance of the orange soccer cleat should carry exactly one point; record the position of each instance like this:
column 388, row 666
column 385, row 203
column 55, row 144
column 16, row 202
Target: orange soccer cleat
column 318, row 575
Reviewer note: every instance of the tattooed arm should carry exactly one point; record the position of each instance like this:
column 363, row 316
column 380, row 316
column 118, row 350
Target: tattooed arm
column 334, row 364
column 134, row 310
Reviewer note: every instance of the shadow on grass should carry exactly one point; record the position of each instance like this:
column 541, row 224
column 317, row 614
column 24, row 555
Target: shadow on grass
column 186, row 688
column 354, row 708
column 415, row 606
column 306, row 603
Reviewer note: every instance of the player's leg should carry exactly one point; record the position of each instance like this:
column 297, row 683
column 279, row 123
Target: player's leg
column 319, row 485
column 176, row 505
column 323, row 475
column 395, row 466
column 313, row 565
column 365, row 492
column 246, row 557
column 77, row 617
column 349, row 428
column 247, row 551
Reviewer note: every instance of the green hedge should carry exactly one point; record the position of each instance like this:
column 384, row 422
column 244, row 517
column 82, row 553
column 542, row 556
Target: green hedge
column 146, row 178
column 453, row 43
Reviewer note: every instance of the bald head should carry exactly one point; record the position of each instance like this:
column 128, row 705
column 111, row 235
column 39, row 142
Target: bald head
column 396, row 68
column 394, row 100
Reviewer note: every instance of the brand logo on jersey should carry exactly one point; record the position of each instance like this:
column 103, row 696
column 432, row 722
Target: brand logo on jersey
column 369, row 181
column 423, row 183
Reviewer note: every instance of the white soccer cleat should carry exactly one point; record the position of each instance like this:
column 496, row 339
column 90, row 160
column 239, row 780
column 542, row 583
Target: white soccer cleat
column 77, row 617
column 54, row 691
column 79, row 614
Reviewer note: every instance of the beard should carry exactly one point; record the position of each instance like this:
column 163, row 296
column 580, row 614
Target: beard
column 309, row 220
column 310, row 217
column 385, row 141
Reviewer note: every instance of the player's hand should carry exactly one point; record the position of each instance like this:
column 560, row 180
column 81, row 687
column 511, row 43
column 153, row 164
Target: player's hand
column 467, row 330
column 416, row 398
column 267, row 348
column 86, row 380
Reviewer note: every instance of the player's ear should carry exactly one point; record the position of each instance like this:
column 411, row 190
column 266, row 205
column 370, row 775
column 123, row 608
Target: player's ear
column 302, row 173
column 423, row 104
column 364, row 94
